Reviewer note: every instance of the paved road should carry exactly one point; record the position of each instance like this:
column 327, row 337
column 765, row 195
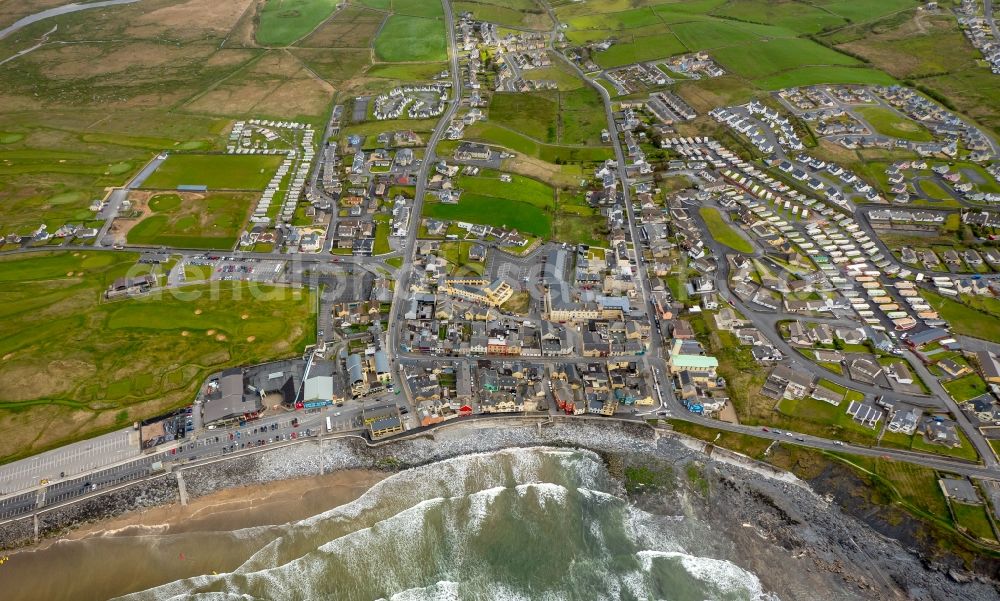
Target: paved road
column 988, row 13
column 406, row 252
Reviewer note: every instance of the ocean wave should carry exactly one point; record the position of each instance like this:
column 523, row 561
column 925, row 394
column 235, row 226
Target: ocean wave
column 724, row 576
column 546, row 492
column 444, row 590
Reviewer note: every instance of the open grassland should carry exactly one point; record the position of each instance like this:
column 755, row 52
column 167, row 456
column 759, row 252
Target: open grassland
column 418, row 8
column 722, row 232
column 528, row 14
column 280, row 84
column 795, row 15
column 186, row 220
column 217, row 171
column 79, row 362
column 534, row 114
column 758, row 60
column 351, row 27
column 412, row 39
column 282, row 22
column 566, row 10
column 519, row 188
column 572, row 118
column 498, row 212
column 909, row 44
column 890, row 123
column 508, row 138
column 636, row 49
column 807, row 76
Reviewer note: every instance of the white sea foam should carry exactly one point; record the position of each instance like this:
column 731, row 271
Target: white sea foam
column 440, row 591
column 545, row 492
column 724, row 575
column 479, row 506
column 599, row 495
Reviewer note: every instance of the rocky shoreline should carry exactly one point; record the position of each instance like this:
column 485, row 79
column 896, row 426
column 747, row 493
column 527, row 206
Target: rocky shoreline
column 769, row 517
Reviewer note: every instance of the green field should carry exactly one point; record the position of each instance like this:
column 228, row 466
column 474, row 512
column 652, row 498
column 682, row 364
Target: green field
column 498, row 212
column 418, row 8
column 534, row 114
column 808, row 76
column 282, row 22
column 574, row 117
column 797, row 16
column 974, row 519
column 404, row 39
column 722, row 232
column 761, row 59
column 217, row 171
column 195, row 221
column 635, row 49
column 890, row 123
column 515, row 13
column 549, row 153
column 520, row 188
column 965, row 319
column 79, row 361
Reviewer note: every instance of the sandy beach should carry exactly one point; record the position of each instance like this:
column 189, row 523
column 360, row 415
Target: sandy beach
column 161, row 544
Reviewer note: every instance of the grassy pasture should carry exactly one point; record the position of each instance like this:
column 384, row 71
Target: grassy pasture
column 965, row 319
column 79, row 361
column 549, row 153
column 217, row 171
column 282, row 22
column 974, row 519
column 352, row 27
column 405, row 38
column 640, row 49
column 520, row 188
column 807, row 76
column 515, row 13
column 860, row 11
column 498, row 212
column 797, row 16
column 761, row 59
column 534, row 114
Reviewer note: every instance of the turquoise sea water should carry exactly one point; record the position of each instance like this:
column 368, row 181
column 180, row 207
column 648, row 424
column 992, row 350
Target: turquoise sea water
column 531, row 524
